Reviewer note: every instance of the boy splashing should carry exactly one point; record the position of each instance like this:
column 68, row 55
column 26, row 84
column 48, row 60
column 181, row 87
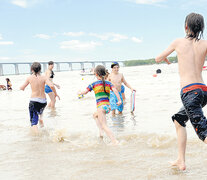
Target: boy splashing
column 191, row 52
column 102, row 89
column 38, row 98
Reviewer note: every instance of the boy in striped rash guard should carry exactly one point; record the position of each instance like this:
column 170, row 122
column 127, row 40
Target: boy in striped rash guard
column 102, row 89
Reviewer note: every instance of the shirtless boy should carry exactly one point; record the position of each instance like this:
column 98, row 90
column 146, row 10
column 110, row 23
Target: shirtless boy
column 38, row 98
column 191, row 52
column 117, row 79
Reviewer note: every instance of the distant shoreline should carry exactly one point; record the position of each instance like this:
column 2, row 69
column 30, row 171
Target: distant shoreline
column 147, row 61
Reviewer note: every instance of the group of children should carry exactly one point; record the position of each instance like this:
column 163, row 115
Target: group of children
column 191, row 52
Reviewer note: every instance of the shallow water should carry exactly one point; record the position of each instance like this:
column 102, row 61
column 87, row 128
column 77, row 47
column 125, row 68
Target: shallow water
column 69, row 147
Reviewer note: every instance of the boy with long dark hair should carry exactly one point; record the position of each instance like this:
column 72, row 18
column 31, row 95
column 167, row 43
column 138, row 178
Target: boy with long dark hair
column 191, row 52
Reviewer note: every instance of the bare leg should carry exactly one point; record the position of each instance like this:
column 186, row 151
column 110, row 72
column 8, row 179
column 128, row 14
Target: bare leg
column 205, row 141
column 102, row 120
column 95, row 116
column 182, row 139
column 113, row 113
column 41, row 120
column 53, row 100
column 34, row 130
column 123, row 97
column 120, row 113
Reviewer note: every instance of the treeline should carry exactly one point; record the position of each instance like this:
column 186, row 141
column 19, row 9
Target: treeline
column 147, row 61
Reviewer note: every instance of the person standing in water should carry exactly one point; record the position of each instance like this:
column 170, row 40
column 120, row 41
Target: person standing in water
column 117, row 79
column 191, row 53
column 102, row 88
column 50, row 75
column 38, row 98
column 9, row 84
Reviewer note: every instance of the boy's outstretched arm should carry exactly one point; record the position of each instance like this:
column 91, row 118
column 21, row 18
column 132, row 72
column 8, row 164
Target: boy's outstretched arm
column 117, row 95
column 25, row 84
column 165, row 53
column 127, row 84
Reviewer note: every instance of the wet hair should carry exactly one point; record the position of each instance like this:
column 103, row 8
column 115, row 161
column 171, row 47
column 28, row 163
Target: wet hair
column 101, row 72
column 50, row 63
column 195, row 25
column 36, row 67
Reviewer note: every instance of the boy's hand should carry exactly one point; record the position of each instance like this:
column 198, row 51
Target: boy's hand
column 119, row 103
column 57, row 86
column 133, row 89
column 167, row 61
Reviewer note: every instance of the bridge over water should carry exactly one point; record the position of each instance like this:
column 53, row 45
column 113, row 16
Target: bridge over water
column 24, row 67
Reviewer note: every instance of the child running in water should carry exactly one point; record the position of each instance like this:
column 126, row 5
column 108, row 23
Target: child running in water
column 102, row 89
column 38, row 98
column 117, row 79
column 191, row 52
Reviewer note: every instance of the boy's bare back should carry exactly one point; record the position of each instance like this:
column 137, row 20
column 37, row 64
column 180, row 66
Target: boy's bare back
column 37, row 83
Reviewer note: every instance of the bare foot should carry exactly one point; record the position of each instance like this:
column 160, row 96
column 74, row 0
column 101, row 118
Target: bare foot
column 180, row 164
column 115, row 143
column 41, row 123
column 34, row 130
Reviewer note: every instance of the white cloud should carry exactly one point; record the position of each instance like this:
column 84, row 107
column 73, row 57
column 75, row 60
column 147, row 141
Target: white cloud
column 149, row 2
column 113, row 37
column 21, row 3
column 43, row 36
column 1, row 37
column 74, row 34
column 6, row 43
column 26, row 3
column 100, row 36
column 118, row 37
column 78, row 45
column 137, row 40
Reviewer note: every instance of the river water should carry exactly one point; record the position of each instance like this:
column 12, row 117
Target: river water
column 69, row 148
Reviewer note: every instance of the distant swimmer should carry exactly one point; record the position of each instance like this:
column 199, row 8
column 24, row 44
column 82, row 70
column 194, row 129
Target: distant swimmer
column 50, row 75
column 191, row 52
column 9, row 84
column 158, row 71
column 38, row 98
column 102, row 88
column 117, row 79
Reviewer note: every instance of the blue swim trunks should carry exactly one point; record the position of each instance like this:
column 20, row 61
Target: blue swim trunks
column 36, row 109
column 113, row 102
column 122, row 89
column 48, row 89
column 106, row 108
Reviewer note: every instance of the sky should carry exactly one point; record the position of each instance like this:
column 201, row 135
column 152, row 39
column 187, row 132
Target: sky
column 91, row 30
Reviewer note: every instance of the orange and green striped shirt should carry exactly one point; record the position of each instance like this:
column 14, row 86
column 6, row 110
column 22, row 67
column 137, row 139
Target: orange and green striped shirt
column 102, row 98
